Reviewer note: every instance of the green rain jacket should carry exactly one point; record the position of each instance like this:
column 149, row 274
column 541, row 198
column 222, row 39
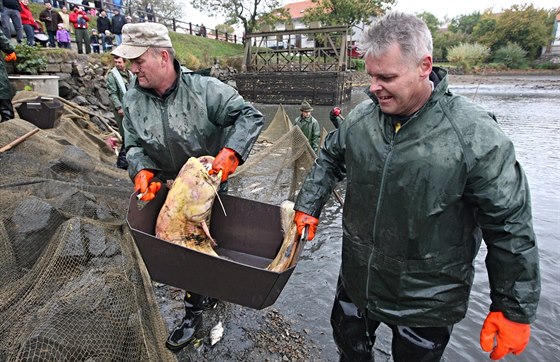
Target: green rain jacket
column 116, row 93
column 417, row 204
column 5, row 88
column 199, row 117
column 310, row 128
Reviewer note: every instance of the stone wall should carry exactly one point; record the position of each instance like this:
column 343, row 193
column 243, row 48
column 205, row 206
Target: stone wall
column 81, row 78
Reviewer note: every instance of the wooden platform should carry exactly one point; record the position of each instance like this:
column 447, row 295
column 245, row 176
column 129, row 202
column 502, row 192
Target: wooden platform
column 318, row 88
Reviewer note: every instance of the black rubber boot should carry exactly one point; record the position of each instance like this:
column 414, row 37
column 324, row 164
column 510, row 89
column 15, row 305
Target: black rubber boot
column 6, row 110
column 121, row 159
column 184, row 333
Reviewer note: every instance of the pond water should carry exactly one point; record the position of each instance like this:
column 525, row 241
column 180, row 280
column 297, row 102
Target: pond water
column 530, row 117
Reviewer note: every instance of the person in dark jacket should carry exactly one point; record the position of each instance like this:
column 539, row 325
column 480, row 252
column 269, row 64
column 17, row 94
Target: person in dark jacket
column 117, row 23
column 335, row 117
column 103, row 24
column 51, row 19
column 6, row 92
column 172, row 114
column 10, row 10
column 429, row 175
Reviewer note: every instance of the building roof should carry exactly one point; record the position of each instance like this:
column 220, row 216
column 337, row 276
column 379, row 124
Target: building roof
column 296, row 9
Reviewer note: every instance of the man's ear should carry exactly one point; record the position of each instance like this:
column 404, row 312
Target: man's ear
column 425, row 66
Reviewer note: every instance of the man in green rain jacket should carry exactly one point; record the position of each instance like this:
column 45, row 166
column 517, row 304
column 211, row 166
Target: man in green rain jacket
column 429, row 174
column 309, row 125
column 171, row 114
column 6, row 93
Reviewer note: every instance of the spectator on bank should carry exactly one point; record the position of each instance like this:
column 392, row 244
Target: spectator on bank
column 117, row 23
column 63, row 37
column 103, row 24
column 95, row 41
column 108, row 41
column 28, row 22
column 63, row 13
column 6, row 92
column 150, row 12
column 11, row 11
column 80, row 20
column 51, row 19
column 202, row 30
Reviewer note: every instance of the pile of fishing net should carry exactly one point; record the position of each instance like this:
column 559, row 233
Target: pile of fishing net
column 74, row 286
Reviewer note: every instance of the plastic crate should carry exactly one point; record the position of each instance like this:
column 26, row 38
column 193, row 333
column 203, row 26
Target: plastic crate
column 249, row 238
column 44, row 112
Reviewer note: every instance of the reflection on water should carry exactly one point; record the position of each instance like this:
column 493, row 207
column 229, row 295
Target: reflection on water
column 530, row 119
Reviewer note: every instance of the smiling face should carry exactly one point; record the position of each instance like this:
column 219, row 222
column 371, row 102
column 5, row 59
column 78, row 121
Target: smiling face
column 400, row 85
column 154, row 70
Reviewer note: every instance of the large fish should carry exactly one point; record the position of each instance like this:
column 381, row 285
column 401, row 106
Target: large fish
column 290, row 246
column 184, row 218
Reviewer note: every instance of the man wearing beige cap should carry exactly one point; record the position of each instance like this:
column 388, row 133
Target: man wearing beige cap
column 171, row 114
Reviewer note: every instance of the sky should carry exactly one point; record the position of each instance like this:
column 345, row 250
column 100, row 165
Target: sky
column 439, row 8
column 452, row 8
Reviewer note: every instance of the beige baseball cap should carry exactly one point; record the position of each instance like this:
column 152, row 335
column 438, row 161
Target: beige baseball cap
column 138, row 38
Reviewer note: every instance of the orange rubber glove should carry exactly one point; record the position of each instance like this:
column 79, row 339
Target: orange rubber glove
column 11, row 57
column 510, row 336
column 226, row 161
column 302, row 220
column 146, row 188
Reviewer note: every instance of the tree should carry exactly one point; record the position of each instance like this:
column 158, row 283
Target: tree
column 225, row 28
column 525, row 25
column 445, row 40
column 346, row 12
column 250, row 13
column 464, row 23
column 431, row 21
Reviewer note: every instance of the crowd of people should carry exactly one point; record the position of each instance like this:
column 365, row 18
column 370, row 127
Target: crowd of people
column 59, row 21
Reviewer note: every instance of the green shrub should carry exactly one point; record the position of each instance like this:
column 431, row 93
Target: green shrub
column 512, row 55
column 547, row 65
column 358, row 64
column 29, row 60
column 468, row 55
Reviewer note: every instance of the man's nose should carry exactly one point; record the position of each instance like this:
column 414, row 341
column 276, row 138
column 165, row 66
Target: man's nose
column 134, row 68
column 374, row 86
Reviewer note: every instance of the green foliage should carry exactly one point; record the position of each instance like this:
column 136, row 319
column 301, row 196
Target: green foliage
column 525, row 25
column 547, row 65
column 225, row 28
column 196, row 52
column 445, row 40
column 464, row 23
column 483, row 30
column 29, row 60
column 348, row 12
column 468, row 55
column 358, row 64
column 512, row 56
column 431, row 21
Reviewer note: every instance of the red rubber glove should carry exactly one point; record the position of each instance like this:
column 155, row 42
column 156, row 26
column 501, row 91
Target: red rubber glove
column 510, row 336
column 226, row 161
column 11, row 57
column 335, row 111
column 146, row 188
column 302, row 220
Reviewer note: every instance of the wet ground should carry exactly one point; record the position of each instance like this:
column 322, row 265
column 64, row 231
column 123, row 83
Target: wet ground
column 296, row 327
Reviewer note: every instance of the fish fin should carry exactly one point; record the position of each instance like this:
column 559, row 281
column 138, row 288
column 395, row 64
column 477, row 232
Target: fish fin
column 207, row 232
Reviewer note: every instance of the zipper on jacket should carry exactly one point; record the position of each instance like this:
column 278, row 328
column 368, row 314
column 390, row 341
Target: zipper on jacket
column 377, row 207
column 167, row 131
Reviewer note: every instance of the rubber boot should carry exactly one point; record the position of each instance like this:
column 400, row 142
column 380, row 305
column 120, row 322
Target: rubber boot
column 121, row 159
column 6, row 110
column 353, row 335
column 184, row 333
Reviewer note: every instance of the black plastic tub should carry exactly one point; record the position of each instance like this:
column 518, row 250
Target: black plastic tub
column 248, row 238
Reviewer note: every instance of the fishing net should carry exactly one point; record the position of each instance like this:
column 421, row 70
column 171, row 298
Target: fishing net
column 74, row 287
